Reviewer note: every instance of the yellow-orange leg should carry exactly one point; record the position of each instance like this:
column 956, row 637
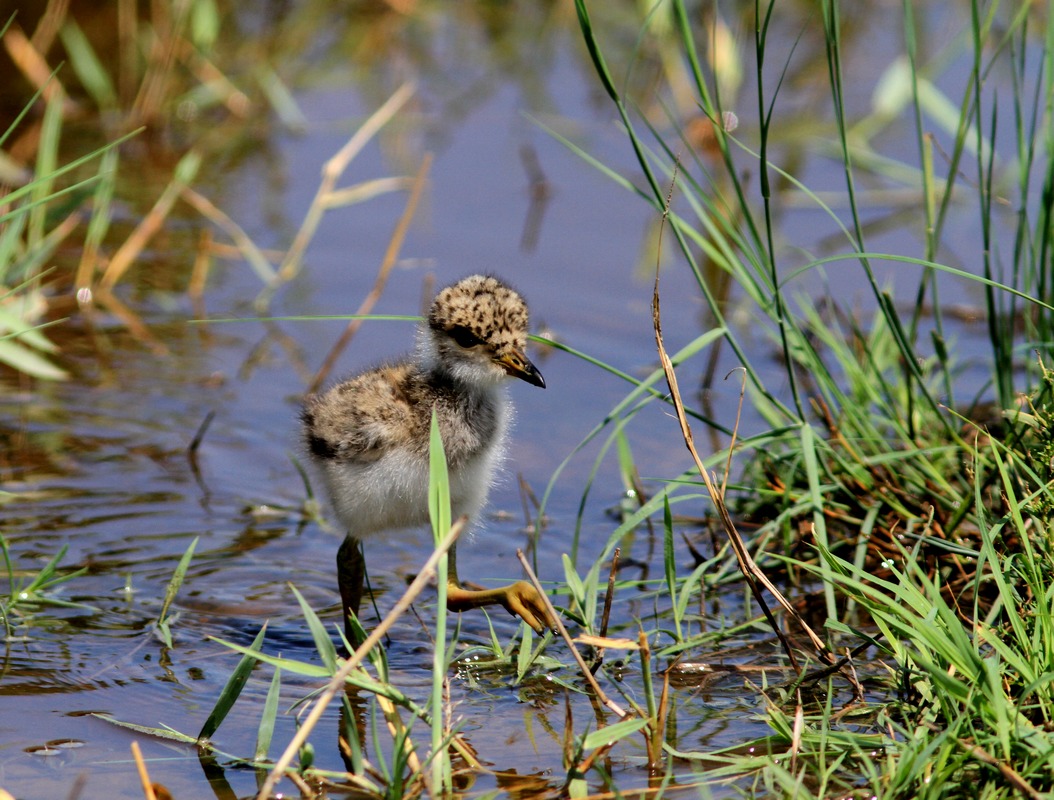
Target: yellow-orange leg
column 520, row 598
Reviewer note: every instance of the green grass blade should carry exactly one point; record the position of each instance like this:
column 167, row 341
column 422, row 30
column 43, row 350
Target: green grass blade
column 597, row 57
column 809, row 445
column 174, row 584
column 326, row 651
column 29, row 362
column 440, row 515
column 669, row 560
column 438, row 484
column 265, row 732
column 232, row 689
column 47, row 159
column 577, row 590
column 87, row 66
column 281, row 99
column 29, row 106
column 613, row 733
column 351, row 736
column 23, row 191
column 523, row 655
column 102, row 208
column 159, row 733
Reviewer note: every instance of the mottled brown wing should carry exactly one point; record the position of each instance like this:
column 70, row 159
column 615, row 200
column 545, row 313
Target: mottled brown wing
column 364, row 417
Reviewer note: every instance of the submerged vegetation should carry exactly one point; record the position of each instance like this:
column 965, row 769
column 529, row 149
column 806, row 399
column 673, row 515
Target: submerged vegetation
column 882, row 562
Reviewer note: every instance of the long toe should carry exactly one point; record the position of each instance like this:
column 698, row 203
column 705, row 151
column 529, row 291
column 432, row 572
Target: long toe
column 523, row 600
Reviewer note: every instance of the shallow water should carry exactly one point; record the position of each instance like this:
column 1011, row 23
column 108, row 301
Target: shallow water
column 99, row 463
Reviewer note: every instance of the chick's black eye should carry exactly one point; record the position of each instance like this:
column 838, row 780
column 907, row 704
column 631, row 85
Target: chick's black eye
column 464, row 337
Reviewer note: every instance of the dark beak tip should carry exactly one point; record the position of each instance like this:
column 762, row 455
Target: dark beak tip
column 523, row 369
column 534, row 377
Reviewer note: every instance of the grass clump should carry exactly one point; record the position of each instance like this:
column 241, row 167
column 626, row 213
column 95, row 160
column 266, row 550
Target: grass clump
column 27, row 592
column 917, row 520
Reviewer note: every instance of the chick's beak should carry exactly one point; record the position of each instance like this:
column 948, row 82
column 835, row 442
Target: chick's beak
column 519, row 366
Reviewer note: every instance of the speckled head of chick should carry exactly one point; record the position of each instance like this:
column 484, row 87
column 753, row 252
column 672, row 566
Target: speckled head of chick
column 477, row 330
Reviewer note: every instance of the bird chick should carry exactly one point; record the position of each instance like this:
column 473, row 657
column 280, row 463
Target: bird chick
column 369, row 435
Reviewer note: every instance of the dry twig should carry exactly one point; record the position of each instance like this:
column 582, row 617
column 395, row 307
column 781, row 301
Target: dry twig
column 144, row 776
column 559, row 625
column 331, row 172
column 390, row 256
column 754, row 576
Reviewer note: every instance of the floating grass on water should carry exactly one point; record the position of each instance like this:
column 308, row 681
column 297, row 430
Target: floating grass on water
column 163, row 626
column 26, row 590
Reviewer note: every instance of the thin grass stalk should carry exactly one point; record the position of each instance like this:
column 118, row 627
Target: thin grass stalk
column 1024, row 142
column 924, row 142
column 562, row 630
column 102, row 213
column 152, row 223
column 832, row 38
column 439, row 513
column 144, row 774
column 34, row 67
column 713, row 108
column 48, row 25
column 5, row 607
column 985, row 164
column 809, row 446
column 174, row 584
column 647, row 675
column 583, row 498
column 754, row 576
column 1046, row 244
column 331, row 172
column 669, row 563
column 761, row 27
column 403, row 752
column 129, row 319
column 1009, row 774
column 233, row 689
column 90, row 71
column 265, row 731
column 23, row 191
column 1043, row 249
column 349, row 741
column 14, row 123
column 750, row 571
column 168, row 20
column 259, row 262
column 657, row 197
column 719, row 238
column 656, row 706
column 199, row 273
column 622, row 413
column 47, row 161
column 1027, row 136
column 953, row 169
